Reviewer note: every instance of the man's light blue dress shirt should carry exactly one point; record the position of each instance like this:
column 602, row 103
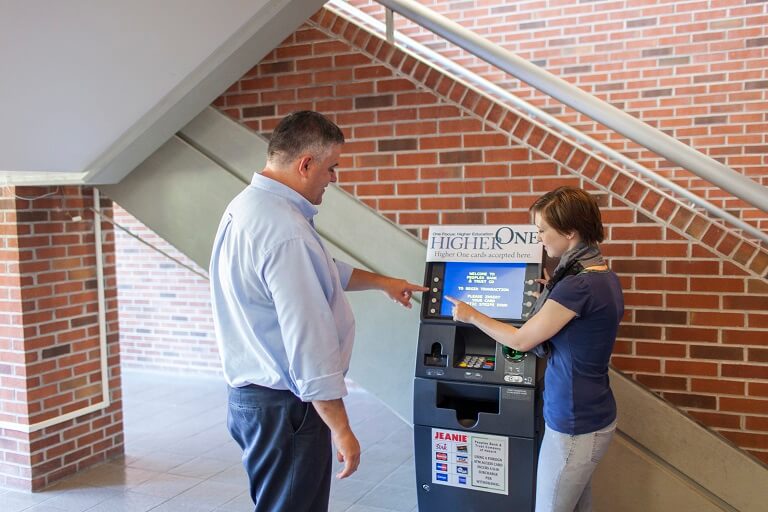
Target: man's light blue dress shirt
column 281, row 316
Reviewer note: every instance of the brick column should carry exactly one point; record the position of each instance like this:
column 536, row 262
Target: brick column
column 54, row 420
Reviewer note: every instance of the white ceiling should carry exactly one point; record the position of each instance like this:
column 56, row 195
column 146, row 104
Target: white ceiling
column 91, row 86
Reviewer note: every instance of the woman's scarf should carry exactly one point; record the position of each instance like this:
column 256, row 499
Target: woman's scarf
column 571, row 262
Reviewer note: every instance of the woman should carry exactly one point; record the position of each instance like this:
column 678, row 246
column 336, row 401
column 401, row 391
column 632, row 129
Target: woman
column 575, row 322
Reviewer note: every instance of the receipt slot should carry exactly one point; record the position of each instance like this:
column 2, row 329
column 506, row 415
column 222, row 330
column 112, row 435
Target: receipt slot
column 477, row 404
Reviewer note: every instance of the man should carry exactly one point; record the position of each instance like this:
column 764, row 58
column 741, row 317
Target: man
column 284, row 326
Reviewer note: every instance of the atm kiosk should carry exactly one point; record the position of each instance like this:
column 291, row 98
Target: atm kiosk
column 477, row 404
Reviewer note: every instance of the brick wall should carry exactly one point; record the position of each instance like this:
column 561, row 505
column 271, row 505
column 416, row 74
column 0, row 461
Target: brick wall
column 423, row 149
column 165, row 310
column 50, row 354
column 696, row 69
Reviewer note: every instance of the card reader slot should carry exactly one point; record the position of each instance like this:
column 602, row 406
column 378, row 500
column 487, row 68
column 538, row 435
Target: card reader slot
column 436, row 356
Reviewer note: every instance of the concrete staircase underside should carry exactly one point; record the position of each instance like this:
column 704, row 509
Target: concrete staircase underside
column 661, row 459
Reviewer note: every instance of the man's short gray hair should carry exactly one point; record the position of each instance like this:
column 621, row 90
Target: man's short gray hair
column 304, row 131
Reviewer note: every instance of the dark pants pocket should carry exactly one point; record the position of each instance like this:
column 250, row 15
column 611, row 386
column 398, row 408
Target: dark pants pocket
column 286, row 449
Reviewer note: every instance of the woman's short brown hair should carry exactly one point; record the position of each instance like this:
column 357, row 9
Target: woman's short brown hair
column 568, row 209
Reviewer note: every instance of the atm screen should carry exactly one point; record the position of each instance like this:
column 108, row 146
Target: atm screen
column 495, row 289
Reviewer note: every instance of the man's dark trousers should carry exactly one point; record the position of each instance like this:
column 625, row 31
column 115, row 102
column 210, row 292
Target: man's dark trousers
column 286, row 449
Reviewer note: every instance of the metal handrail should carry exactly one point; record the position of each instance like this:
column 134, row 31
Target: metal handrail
column 670, row 148
column 534, row 113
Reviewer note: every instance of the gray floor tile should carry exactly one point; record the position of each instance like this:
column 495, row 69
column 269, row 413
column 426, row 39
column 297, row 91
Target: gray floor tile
column 388, row 452
column 349, row 491
column 129, row 502
column 209, row 494
column 180, row 458
column 14, row 501
column 390, row 497
column 179, row 506
column 114, row 475
column 338, row 506
column 241, row 503
column 234, row 475
column 43, row 507
column 372, row 470
column 77, row 499
column 201, row 467
column 403, row 476
column 365, row 508
column 158, row 460
column 166, row 485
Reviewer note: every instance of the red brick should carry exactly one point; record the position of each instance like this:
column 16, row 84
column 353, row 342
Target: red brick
column 669, row 250
column 713, row 419
column 514, row 154
column 662, row 349
column 485, row 140
column 417, row 188
column 421, row 158
column 718, row 386
column 746, row 302
column 693, row 301
column 636, row 233
column 660, row 382
column 641, row 299
column 461, row 218
column 692, row 400
column 692, row 267
column 440, row 203
column 461, row 187
column 636, row 364
column 375, row 190
column 439, row 173
column 757, row 320
column 418, row 218
column 718, row 319
column 746, row 405
column 758, row 389
column 661, row 283
column 507, row 185
column 486, row 202
column 710, row 284
column 716, row 352
column 690, row 368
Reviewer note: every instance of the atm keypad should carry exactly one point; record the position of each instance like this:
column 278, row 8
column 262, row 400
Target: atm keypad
column 478, row 362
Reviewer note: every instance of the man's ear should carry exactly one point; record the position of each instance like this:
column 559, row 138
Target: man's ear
column 303, row 165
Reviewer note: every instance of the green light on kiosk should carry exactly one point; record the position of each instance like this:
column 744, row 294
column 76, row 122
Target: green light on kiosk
column 511, row 354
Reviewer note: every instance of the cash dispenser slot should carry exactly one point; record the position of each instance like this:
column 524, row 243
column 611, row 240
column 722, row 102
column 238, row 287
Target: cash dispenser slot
column 467, row 401
column 492, row 409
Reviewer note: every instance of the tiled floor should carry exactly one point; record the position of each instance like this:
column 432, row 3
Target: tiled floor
column 179, row 457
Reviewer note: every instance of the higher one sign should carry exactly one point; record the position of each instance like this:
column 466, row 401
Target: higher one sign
column 498, row 244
